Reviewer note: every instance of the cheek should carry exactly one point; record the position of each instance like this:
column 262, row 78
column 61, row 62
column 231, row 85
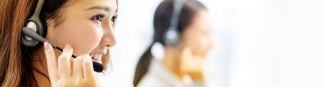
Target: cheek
column 83, row 36
column 198, row 43
column 205, row 45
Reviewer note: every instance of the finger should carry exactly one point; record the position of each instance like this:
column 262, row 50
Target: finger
column 77, row 67
column 64, row 62
column 52, row 64
column 71, row 64
column 88, row 67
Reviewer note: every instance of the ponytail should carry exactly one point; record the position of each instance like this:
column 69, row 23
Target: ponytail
column 142, row 66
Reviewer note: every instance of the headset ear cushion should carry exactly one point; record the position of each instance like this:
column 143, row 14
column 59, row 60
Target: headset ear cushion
column 41, row 29
column 171, row 36
column 44, row 26
column 27, row 41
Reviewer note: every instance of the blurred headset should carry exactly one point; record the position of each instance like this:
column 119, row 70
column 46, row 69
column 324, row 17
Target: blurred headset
column 35, row 32
column 172, row 34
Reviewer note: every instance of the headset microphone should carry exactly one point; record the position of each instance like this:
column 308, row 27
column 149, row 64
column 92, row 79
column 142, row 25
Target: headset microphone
column 32, row 34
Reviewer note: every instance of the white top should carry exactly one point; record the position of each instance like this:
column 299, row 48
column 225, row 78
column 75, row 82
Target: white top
column 159, row 75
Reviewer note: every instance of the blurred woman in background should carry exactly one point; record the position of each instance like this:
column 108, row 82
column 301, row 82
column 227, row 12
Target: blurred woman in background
column 178, row 63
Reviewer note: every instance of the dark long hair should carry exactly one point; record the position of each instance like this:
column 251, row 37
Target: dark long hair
column 161, row 24
column 16, row 59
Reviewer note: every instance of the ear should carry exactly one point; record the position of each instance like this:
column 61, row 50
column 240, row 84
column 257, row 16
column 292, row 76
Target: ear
column 50, row 22
column 50, row 27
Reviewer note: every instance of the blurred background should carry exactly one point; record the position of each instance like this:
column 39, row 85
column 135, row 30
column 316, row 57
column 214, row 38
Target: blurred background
column 258, row 43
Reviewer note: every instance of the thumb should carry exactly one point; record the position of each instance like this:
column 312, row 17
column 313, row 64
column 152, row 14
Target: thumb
column 52, row 64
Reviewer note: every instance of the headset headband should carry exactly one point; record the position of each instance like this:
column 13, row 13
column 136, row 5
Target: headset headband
column 172, row 35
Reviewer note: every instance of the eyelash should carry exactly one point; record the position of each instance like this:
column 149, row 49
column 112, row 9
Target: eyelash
column 101, row 16
column 98, row 17
column 113, row 18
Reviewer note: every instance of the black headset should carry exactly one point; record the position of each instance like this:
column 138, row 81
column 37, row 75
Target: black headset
column 35, row 32
column 172, row 34
column 37, row 24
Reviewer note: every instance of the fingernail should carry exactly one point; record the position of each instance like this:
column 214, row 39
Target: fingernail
column 46, row 45
column 68, row 46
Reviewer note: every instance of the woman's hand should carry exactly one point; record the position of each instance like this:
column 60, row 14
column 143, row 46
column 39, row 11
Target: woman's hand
column 192, row 64
column 67, row 71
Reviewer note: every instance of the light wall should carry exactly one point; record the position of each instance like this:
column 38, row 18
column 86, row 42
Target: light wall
column 258, row 43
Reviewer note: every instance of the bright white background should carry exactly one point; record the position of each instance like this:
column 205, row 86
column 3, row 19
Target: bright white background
column 259, row 43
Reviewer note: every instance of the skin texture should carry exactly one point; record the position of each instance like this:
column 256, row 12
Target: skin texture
column 85, row 31
column 197, row 35
column 196, row 40
column 86, row 35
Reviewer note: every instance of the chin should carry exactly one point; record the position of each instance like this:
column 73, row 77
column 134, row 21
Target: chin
column 203, row 53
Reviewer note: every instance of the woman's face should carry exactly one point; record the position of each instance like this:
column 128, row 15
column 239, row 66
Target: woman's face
column 87, row 25
column 197, row 35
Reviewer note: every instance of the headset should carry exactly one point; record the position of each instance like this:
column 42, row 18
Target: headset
column 172, row 35
column 35, row 32
column 37, row 24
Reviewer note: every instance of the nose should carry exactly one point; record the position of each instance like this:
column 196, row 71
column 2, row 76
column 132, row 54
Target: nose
column 108, row 39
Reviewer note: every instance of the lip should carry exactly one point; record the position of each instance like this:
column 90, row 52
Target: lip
column 98, row 61
column 101, row 52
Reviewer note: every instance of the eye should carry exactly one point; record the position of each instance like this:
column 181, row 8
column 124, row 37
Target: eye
column 98, row 17
column 113, row 19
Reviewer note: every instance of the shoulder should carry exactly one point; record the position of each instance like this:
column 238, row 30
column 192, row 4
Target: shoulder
column 153, row 81
column 159, row 76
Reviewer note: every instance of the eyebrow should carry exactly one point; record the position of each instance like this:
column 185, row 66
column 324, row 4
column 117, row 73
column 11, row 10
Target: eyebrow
column 105, row 8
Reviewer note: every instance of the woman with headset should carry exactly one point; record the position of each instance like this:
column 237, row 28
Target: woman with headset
column 83, row 27
column 184, row 30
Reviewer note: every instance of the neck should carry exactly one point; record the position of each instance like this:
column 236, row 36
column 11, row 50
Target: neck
column 172, row 61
